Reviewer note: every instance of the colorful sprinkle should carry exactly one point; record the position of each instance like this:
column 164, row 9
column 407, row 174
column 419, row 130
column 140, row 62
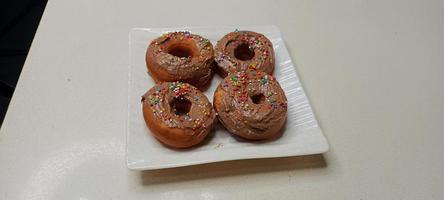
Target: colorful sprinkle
column 207, row 42
column 154, row 100
column 235, row 80
column 179, row 88
column 264, row 80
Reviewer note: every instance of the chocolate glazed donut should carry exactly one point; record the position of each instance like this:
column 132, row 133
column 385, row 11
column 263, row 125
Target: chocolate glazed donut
column 180, row 56
column 178, row 114
column 242, row 50
column 251, row 105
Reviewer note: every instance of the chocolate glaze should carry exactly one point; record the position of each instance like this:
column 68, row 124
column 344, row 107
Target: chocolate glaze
column 260, row 51
column 251, row 105
column 180, row 56
column 177, row 130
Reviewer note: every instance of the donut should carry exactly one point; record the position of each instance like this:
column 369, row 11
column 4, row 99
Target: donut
column 178, row 114
column 242, row 50
column 180, row 56
column 251, row 105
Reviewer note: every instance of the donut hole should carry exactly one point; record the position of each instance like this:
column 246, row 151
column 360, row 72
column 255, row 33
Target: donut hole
column 181, row 50
column 243, row 52
column 180, row 106
column 258, row 98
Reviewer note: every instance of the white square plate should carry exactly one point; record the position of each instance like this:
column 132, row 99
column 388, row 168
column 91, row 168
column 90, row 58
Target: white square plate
column 302, row 134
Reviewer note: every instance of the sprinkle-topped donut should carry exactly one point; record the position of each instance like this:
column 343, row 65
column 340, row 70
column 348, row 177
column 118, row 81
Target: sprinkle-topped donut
column 180, row 56
column 178, row 114
column 251, row 105
column 242, row 50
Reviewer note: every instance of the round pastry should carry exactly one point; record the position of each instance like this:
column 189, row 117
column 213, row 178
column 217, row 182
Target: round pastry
column 251, row 105
column 178, row 114
column 242, row 50
column 180, row 56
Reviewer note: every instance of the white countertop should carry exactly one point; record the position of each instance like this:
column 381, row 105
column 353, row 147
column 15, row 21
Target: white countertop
column 373, row 70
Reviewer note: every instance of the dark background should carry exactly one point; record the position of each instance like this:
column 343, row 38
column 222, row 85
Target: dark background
column 18, row 22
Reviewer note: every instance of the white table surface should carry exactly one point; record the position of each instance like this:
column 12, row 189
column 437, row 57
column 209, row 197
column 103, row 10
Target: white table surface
column 373, row 70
